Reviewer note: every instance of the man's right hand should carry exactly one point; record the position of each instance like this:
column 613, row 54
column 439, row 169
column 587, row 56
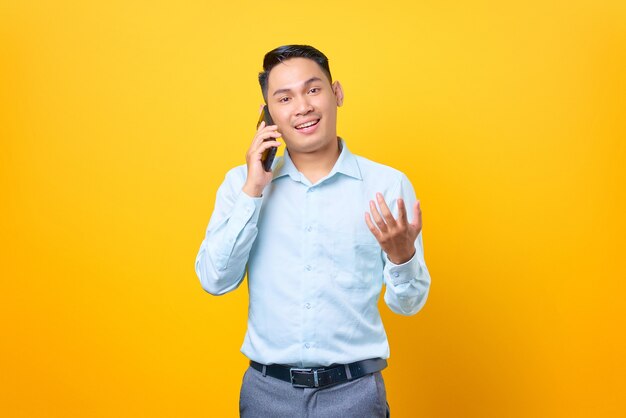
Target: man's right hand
column 258, row 178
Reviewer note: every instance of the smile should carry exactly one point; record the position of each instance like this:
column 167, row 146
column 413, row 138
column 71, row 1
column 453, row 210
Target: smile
column 307, row 124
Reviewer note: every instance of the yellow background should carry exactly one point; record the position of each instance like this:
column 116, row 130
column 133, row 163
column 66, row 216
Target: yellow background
column 119, row 119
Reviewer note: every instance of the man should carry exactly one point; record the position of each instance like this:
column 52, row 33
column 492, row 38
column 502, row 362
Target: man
column 318, row 238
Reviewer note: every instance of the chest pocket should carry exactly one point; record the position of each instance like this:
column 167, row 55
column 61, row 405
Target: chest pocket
column 357, row 263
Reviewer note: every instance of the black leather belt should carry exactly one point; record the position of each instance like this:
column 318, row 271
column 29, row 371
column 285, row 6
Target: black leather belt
column 315, row 377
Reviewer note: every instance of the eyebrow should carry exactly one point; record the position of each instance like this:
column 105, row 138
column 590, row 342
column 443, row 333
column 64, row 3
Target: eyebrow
column 309, row 81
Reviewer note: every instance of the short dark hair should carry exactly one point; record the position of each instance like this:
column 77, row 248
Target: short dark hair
column 285, row 52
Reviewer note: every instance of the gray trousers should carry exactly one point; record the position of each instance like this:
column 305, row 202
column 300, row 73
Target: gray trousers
column 267, row 397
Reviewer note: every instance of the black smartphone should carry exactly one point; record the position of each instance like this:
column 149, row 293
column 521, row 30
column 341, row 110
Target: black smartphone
column 268, row 155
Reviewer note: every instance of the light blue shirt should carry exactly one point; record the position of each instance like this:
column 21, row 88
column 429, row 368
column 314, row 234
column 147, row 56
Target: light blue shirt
column 315, row 271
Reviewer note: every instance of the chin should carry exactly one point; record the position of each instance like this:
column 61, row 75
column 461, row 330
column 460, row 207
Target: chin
column 309, row 143
column 315, row 145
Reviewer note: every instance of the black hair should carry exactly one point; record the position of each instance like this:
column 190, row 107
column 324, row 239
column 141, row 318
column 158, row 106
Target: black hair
column 285, row 52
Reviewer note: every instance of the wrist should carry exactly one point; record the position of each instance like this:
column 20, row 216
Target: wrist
column 401, row 259
column 252, row 191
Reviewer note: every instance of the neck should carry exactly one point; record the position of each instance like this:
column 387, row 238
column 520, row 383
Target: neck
column 316, row 165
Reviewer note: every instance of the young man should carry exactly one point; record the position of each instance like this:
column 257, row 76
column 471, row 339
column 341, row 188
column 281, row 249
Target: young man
column 319, row 238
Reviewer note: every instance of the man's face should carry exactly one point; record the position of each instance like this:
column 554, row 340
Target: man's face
column 303, row 104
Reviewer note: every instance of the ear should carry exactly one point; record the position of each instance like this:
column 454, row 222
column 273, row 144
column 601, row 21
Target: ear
column 338, row 91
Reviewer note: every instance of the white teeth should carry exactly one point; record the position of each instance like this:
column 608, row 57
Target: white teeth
column 306, row 125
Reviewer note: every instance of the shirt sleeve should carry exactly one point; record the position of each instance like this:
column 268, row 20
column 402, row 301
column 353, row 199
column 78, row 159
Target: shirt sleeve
column 221, row 261
column 407, row 284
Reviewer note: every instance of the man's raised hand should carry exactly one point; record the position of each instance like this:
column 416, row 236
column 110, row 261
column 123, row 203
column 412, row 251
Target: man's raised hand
column 395, row 236
column 257, row 177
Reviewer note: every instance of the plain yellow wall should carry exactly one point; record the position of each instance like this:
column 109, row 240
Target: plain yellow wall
column 119, row 119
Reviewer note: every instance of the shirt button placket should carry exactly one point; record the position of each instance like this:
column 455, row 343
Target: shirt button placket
column 308, row 257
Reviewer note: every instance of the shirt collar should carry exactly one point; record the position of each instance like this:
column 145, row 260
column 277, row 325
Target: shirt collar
column 346, row 164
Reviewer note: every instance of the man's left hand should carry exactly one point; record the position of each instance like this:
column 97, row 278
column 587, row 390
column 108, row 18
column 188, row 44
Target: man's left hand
column 395, row 236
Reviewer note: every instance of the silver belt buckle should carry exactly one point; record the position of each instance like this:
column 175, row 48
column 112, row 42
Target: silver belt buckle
column 296, row 385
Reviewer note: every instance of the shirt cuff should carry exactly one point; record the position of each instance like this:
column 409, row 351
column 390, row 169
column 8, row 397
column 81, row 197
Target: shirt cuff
column 402, row 273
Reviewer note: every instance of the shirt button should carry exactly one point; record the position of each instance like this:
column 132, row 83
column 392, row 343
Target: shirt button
column 308, row 306
column 396, row 274
column 307, row 345
column 307, row 267
column 309, row 229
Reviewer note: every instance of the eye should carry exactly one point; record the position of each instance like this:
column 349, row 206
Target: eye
column 314, row 90
column 283, row 99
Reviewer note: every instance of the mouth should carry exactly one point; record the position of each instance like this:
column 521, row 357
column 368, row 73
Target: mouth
column 307, row 127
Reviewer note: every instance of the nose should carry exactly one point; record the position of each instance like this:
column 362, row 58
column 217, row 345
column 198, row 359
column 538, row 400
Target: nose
column 303, row 106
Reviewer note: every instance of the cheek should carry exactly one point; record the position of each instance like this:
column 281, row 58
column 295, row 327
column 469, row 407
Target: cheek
column 284, row 123
column 331, row 113
column 281, row 117
column 330, row 105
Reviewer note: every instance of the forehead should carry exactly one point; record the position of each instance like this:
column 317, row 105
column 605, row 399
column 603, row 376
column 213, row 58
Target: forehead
column 292, row 73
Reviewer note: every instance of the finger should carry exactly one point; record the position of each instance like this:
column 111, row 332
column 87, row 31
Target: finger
column 265, row 145
column 263, row 127
column 270, row 132
column 384, row 209
column 402, row 219
column 377, row 217
column 265, row 135
column 417, row 216
column 375, row 231
column 256, row 156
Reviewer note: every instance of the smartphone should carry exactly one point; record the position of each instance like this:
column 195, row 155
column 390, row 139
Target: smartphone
column 268, row 155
